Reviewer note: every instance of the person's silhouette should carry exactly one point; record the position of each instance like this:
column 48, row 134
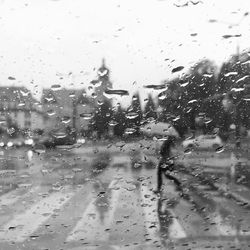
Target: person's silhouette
column 166, row 164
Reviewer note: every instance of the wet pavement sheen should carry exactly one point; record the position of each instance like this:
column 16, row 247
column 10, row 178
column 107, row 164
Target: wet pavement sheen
column 105, row 200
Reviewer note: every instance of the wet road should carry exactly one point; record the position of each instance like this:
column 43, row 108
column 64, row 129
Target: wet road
column 80, row 199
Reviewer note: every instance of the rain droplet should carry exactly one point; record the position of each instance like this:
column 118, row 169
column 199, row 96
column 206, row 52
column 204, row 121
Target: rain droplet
column 188, row 151
column 96, row 83
column 246, row 98
column 56, row 87
column 184, row 84
column 157, row 87
column 132, row 115
column 113, row 123
column 231, row 74
column 242, row 79
column 51, row 112
column 72, row 95
column 238, row 89
column 177, row 69
column 24, row 93
column 59, row 135
column 2, row 120
column 86, row 116
column 219, row 149
column 21, row 104
column 119, row 92
column 100, row 102
column 162, row 96
column 192, row 101
column 129, row 131
column 11, row 78
column 66, row 119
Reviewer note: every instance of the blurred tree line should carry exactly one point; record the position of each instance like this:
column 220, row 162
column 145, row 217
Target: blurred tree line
column 205, row 98
column 208, row 97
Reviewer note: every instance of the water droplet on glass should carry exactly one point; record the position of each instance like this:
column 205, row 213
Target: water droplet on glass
column 56, row 87
column 24, row 93
column 87, row 116
column 132, row 115
column 51, row 112
column 162, row 96
column 156, row 87
column 177, row 69
column 237, row 89
column 11, row 78
column 119, row 92
column 59, row 134
column 72, row 95
column 113, row 123
column 96, row 83
column 129, row 131
column 246, row 98
column 184, row 84
column 21, row 104
column 192, row 101
column 219, row 149
column 188, row 151
column 232, row 73
column 10, row 144
column 66, row 119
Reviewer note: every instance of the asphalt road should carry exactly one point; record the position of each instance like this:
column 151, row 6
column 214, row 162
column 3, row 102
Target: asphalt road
column 85, row 199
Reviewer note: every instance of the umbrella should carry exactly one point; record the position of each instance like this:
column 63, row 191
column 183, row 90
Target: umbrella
column 159, row 128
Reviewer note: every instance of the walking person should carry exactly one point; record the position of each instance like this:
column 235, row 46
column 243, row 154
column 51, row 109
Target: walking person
column 166, row 164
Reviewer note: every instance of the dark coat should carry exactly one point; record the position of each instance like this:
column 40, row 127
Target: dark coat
column 166, row 163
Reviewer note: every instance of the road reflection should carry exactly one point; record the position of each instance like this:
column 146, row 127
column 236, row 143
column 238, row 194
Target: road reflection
column 102, row 202
column 164, row 217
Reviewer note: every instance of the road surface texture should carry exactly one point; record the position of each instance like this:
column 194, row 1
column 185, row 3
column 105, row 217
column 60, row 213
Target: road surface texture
column 92, row 198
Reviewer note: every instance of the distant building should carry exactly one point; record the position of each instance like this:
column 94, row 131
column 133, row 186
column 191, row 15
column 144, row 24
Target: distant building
column 67, row 108
column 72, row 107
column 19, row 108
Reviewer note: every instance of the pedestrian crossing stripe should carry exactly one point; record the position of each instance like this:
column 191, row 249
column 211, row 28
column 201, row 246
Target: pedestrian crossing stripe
column 89, row 227
column 176, row 231
column 24, row 224
column 15, row 195
column 92, row 228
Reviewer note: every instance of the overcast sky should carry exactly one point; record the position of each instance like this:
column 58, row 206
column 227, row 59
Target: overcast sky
column 44, row 40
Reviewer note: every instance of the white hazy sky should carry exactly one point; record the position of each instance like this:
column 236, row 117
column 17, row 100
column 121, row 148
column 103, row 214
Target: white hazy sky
column 40, row 39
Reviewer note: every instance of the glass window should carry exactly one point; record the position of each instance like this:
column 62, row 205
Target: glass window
column 124, row 124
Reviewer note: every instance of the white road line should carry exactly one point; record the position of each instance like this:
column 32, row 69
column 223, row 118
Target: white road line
column 13, row 196
column 226, row 228
column 150, row 213
column 91, row 227
column 176, row 231
column 23, row 225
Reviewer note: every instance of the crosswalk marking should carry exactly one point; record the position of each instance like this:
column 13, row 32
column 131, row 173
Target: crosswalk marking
column 24, row 224
column 13, row 196
column 150, row 212
column 176, row 231
column 91, row 227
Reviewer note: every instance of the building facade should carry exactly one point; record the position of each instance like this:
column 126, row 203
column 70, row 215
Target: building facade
column 19, row 109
